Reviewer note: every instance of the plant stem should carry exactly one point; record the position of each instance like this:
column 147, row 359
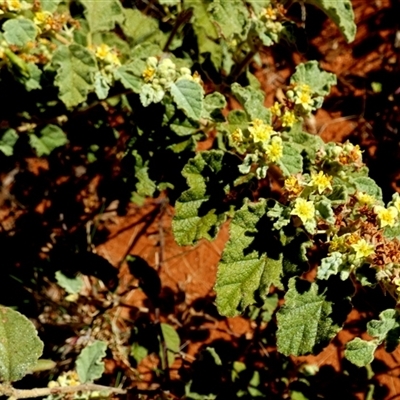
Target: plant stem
column 182, row 18
column 242, row 65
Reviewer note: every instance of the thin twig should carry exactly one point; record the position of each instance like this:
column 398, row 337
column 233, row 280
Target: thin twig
column 41, row 392
column 335, row 120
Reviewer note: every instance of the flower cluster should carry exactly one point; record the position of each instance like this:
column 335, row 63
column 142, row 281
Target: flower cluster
column 40, row 50
column 261, row 144
column 107, row 56
column 300, row 101
column 271, row 19
column 158, row 77
column 308, row 202
column 341, row 157
column 46, row 21
column 68, row 379
column 355, row 230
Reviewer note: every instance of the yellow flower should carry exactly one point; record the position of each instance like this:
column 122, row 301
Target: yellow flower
column 274, row 150
column 276, row 109
column 13, row 5
column 365, row 199
column 304, row 209
column 387, row 216
column 259, row 131
column 293, row 185
column 305, row 100
column 69, row 378
column 107, row 54
column 42, row 18
column 270, row 13
column 102, row 51
column 337, row 244
column 363, row 249
column 321, row 181
column 237, row 135
column 303, row 87
column 288, row 119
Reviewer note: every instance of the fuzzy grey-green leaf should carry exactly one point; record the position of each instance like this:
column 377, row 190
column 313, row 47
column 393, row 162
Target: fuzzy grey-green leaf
column 88, row 364
column 103, row 15
column 291, row 162
column 20, row 346
column 243, row 270
column 7, row 142
column 188, row 96
column 231, row 17
column 368, row 185
column 252, row 101
column 70, row 285
column 49, row 5
column 310, row 74
column 50, row 138
column 341, row 13
column 206, row 31
column 303, row 321
column 172, row 342
column 379, row 329
column 75, row 73
column 360, row 352
column 130, row 75
column 189, row 225
column 19, row 31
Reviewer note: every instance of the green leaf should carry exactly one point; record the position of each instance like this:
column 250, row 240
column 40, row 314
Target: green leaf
column 291, row 162
column 172, row 342
column 138, row 352
column 50, row 138
column 244, row 268
column 145, row 186
column 130, row 75
column 188, row 96
column 231, row 18
column 19, row 31
column 252, row 101
column 303, row 321
column 88, row 364
column 75, row 74
column 7, row 142
column 360, row 352
column 319, row 81
column 198, row 212
column 20, row 345
column 49, row 5
column 103, row 15
column 70, row 285
column 341, row 13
